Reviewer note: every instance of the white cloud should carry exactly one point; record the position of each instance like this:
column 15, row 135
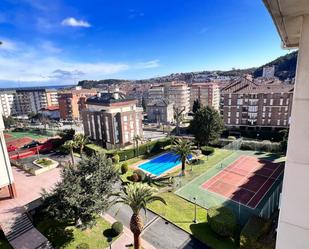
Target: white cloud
column 71, row 21
column 43, row 63
column 8, row 45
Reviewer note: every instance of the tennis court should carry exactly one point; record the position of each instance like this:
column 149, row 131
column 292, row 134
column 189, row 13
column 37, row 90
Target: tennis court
column 245, row 181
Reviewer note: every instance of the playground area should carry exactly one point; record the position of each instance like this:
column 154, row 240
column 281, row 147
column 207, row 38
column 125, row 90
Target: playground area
column 19, row 139
column 246, row 182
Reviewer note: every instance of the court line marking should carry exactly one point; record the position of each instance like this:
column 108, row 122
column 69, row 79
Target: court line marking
column 264, row 184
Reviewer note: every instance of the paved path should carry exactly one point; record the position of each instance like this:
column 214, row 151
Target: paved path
column 126, row 238
column 158, row 232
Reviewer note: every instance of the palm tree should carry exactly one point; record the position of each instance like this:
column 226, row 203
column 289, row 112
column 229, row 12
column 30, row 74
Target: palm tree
column 70, row 145
column 137, row 196
column 183, row 148
column 136, row 139
column 81, row 140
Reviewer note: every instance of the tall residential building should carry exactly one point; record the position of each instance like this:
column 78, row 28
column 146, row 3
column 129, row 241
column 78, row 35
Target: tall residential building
column 179, row 94
column 72, row 102
column 156, row 92
column 52, row 97
column 207, row 93
column 31, row 99
column 7, row 102
column 246, row 104
column 112, row 120
column 291, row 18
column 6, row 176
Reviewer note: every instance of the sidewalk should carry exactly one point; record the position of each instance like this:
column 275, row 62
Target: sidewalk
column 126, row 238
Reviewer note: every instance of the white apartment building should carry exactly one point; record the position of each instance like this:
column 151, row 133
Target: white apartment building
column 156, row 93
column 7, row 103
column 291, row 18
column 179, row 94
column 207, row 93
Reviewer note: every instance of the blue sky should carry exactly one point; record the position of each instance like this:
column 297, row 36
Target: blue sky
column 63, row 41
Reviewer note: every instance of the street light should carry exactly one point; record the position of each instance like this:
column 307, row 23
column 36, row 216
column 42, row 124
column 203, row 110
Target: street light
column 194, row 199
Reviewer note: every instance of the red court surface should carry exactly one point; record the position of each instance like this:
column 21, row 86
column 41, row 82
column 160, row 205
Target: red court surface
column 245, row 181
column 19, row 142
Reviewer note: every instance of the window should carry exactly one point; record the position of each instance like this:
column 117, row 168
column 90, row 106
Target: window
column 271, row 102
column 230, row 101
column 125, row 118
column 228, row 120
column 269, row 114
column 237, row 121
column 265, row 101
column 284, row 122
column 229, row 114
column 278, row 122
column 237, row 114
column 281, row 101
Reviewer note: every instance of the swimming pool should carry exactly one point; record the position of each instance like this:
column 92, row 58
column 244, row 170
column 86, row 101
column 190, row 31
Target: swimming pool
column 161, row 164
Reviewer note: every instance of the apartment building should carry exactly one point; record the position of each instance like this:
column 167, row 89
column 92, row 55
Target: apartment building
column 160, row 111
column 245, row 104
column 157, row 92
column 179, row 94
column 112, row 120
column 207, row 93
column 6, row 176
column 72, row 102
column 7, row 102
column 291, row 18
column 52, row 97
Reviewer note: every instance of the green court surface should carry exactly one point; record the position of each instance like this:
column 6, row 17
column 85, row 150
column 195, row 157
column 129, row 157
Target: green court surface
column 31, row 134
column 208, row 199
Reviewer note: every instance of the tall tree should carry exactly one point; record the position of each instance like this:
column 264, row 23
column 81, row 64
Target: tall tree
column 207, row 125
column 183, row 148
column 196, row 105
column 284, row 141
column 83, row 192
column 137, row 196
column 70, row 145
column 178, row 116
column 81, row 140
column 8, row 122
column 136, row 140
column 144, row 104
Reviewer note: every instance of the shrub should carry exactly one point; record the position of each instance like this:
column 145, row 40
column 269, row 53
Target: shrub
column 117, row 228
column 124, row 168
column 231, row 138
column 207, row 150
column 134, row 177
column 116, row 158
column 141, row 175
column 83, row 246
column 252, row 233
column 222, row 221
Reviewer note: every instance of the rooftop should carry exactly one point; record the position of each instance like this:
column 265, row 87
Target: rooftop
column 108, row 98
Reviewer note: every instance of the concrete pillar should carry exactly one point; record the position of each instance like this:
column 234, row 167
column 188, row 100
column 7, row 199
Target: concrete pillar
column 293, row 229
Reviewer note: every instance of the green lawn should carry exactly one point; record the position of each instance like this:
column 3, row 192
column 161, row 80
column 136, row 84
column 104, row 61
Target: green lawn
column 68, row 237
column 181, row 213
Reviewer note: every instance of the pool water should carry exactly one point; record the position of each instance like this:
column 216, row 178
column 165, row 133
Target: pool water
column 162, row 163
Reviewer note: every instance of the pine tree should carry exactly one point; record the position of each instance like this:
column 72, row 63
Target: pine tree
column 207, row 125
column 196, row 106
column 83, row 192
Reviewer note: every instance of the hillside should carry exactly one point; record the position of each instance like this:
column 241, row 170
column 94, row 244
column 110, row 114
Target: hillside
column 285, row 66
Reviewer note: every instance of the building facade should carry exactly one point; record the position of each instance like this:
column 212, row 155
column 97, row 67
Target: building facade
column 160, row 111
column 208, row 94
column 268, row 72
column 245, row 104
column 6, row 175
column 8, row 102
column 112, row 120
column 73, row 102
column 291, row 18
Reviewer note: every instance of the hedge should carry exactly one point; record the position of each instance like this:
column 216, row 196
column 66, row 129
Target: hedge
column 265, row 145
column 207, row 150
column 117, row 228
column 222, row 221
column 150, row 147
column 252, row 233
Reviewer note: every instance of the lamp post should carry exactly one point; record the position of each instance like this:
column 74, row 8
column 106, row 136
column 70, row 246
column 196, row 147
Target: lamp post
column 194, row 199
